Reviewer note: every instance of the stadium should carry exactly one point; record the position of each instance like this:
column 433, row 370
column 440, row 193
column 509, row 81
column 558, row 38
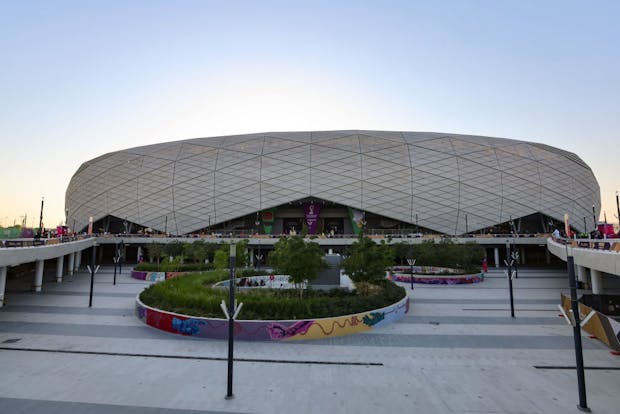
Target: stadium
column 334, row 183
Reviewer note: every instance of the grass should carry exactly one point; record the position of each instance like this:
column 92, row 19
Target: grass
column 193, row 295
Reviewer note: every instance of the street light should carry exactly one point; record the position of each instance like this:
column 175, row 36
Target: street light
column 576, row 323
column 508, row 262
column 231, row 321
column 41, row 219
column 411, row 262
column 618, row 207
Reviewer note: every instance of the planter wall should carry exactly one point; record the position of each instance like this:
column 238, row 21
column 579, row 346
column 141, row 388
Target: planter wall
column 439, row 280
column 257, row 330
column 155, row 276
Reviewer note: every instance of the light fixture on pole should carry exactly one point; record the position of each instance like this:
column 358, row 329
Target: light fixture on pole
column 508, row 262
column 466, row 226
column 231, row 313
column 594, row 216
column 585, row 227
column 618, row 207
column 576, row 323
column 41, row 219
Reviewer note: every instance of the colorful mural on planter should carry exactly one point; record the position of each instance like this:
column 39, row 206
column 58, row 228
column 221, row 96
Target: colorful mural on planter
column 155, row 276
column 256, row 330
column 438, row 280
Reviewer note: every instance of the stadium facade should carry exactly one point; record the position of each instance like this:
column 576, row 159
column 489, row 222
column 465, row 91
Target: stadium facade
column 334, row 182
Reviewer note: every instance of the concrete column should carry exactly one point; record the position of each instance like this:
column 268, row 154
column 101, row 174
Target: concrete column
column 59, row 264
column 139, row 254
column 251, row 254
column 496, row 256
column 38, row 276
column 78, row 260
column 71, row 263
column 522, row 255
column 597, row 282
column 2, row 284
column 547, row 256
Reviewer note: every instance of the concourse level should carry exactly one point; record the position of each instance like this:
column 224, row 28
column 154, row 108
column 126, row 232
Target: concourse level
column 594, row 262
column 13, row 256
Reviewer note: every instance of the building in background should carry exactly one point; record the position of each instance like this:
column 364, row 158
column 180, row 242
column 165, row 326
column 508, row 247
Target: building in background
column 335, row 182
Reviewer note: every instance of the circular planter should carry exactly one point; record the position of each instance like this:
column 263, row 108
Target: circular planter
column 155, row 276
column 282, row 330
column 439, row 280
column 434, row 275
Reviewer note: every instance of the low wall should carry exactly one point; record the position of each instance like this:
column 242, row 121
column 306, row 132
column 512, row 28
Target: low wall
column 424, row 269
column 257, row 330
column 439, row 280
column 603, row 327
column 155, row 276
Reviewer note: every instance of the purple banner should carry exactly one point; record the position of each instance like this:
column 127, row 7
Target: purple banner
column 311, row 215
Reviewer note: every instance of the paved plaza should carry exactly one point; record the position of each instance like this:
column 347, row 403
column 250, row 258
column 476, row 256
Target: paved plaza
column 457, row 351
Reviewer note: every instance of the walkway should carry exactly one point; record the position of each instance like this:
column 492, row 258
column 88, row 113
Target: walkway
column 458, row 351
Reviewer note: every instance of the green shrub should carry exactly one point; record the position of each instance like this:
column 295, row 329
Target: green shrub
column 194, row 295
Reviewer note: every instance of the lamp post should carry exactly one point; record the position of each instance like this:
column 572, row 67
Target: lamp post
column 41, row 219
column 594, row 216
column 618, row 207
column 231, row 321
column 581, row 381
column 93, row 270
column 585, row 227
column 411, row 262
column 509, row 273
column 466, row 226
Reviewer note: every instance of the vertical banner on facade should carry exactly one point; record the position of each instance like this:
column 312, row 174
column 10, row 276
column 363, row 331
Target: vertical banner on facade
column 267, row 217
column 357, row 219
column 90, row 225
column 566, row 226
column 311, row 216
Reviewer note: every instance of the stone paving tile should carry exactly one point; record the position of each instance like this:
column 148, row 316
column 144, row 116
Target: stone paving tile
column 445, row 357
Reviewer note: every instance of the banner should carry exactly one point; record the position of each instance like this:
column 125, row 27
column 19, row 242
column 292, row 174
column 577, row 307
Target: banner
column 268, row 217
column 357, row 219
column 311, row 216
column 90, row 226
column 567, row 226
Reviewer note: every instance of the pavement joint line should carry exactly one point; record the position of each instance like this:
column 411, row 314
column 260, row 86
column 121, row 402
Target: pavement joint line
column 501, row 309
column 569, row 367
column 126, row 354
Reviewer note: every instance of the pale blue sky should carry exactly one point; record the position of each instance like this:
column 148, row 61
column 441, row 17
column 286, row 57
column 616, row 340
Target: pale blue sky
column 82, row 78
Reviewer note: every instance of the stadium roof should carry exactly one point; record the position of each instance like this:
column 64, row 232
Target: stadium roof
column 437, row 177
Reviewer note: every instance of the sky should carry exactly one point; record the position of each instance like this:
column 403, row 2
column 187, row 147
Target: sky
column 80, row 79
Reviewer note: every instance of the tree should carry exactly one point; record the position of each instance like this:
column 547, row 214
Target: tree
column 222, row 255
column 402, row 252
column 298, row 259
column 155, row 251
column 221, row 260
column 197, row 251
column 174, row 249
column 367, row 262
column 466, row 257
